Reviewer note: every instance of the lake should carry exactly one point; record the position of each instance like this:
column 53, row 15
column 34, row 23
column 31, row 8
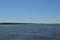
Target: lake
column 30, row 32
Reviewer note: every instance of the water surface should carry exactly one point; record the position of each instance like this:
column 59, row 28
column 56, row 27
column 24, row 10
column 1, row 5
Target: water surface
column 30, row 32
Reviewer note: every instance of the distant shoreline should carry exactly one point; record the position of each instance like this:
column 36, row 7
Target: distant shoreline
column 29, row 23
column 13, row 23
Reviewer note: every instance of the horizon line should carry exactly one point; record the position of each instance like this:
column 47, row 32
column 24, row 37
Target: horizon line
column 27, row 22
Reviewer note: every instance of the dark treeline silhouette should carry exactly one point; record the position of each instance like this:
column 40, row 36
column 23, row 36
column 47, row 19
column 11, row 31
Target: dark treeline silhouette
column 13, row 23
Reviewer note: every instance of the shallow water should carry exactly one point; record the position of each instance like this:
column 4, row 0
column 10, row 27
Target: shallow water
column 30, row 32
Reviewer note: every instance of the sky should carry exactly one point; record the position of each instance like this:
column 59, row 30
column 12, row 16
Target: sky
column 30, row 11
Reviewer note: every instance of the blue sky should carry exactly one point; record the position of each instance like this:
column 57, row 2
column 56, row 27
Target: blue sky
column 30, row 11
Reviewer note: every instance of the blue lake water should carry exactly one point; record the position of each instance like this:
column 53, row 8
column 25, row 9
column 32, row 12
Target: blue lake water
column 30, row 32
